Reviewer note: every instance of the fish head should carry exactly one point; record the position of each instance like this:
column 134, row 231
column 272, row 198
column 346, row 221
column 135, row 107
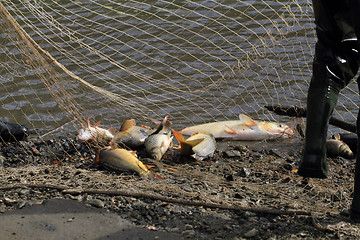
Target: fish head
column 345, row 151
column 277, row 128
column 85, row 135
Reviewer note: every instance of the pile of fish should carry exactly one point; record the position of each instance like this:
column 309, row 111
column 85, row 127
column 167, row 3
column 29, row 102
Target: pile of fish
column 114, row 146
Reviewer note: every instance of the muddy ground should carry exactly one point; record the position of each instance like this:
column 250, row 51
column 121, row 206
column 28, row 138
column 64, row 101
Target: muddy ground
column 246, row 190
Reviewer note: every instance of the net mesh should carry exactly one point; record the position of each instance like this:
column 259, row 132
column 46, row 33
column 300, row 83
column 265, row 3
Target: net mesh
column 199, row 61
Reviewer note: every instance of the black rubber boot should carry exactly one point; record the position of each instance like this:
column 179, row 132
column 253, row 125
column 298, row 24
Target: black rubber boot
column 321, row 100
column 355, row 206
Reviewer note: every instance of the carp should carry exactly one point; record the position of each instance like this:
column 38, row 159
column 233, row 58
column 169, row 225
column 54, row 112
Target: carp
column 336, row 147
column 160, row 140
column 199, row 145
column 118, row 159
column 245, row 129
column 131, row 135
column 95, row 134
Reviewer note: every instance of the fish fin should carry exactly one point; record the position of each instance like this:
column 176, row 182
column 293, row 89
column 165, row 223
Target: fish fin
column 229, row 130
column 88, row 122
column 194, row 142
column 146, row 127
column 179, row 137
column 156, row 176
column 112, row 130
column 336, row 137
column 133, row 153
column 127, row 124
column 149, row 166
column 97, row 158
column 96, row 124
column 247, row 120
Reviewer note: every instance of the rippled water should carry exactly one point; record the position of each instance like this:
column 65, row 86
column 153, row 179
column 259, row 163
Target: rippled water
column 198, row 61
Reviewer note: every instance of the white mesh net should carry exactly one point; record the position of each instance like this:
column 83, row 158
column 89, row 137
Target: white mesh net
column 201, row 61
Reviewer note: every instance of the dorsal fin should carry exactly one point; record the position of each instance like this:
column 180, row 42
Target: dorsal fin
column 127, row 124
column 246, row 120
column 97, row 124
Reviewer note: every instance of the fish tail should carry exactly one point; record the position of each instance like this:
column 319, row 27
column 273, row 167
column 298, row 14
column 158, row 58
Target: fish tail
column 179, row 137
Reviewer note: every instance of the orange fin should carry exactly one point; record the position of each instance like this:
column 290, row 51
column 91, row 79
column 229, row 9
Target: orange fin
column 133, row 153
column 97, row 158
column 157, row 176
column 112, row 130
column 127, row 124
column 229, row 130
column 149, row 166
column 97, row 124
column 179, row 137
column 247, row 120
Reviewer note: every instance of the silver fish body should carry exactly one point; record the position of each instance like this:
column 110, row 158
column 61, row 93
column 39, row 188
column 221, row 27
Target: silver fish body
column 157, row 144
column 159, row 141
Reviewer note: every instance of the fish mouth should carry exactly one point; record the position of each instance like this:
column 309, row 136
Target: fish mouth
column 289, row 131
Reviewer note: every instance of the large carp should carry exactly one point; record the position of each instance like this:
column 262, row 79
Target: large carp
column 118, row 159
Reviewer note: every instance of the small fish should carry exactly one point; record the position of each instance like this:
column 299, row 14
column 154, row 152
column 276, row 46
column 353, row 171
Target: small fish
column 119, row 159
column 351, row 140
column 131, row 135
column 95, row 134
column 160, row 140
column 199, row 146
column 336, row 147
column 243, row 129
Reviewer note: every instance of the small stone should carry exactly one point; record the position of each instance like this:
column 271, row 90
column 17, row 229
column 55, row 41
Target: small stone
column 189, row 227
column 9, row 202
column 22, row 204
column 229, row 177
column 95, row 203
column 187, row 188
column 232, row 153
column 243, row 172
column 252, row 233
column 72, row 191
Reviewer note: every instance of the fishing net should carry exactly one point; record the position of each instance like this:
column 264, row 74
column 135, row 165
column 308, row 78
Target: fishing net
column 63, row 62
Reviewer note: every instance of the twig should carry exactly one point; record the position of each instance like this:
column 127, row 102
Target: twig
column 261, row 210
column 293, row 111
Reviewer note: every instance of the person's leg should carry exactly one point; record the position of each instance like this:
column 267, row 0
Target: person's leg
column 335, row 64
column 321, row 100
column 355, row 206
